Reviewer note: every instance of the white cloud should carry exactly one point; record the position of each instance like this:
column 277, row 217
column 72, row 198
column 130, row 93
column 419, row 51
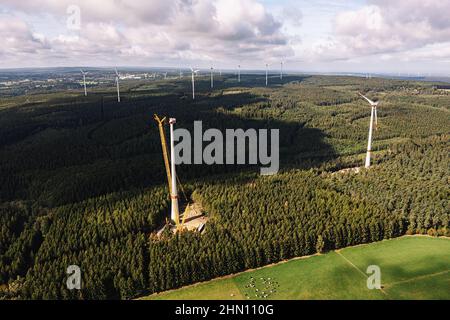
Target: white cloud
column 393, row 26
column 18, row 39
column 163, row 30
column 204, row 32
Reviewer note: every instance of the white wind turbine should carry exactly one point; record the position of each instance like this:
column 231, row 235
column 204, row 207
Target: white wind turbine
column 267, row 73
column 194, row 72
column 84, row 82
column 239, row 73
column 117, row 84
column 281, row 71
column 373, row 116
column 212, row 77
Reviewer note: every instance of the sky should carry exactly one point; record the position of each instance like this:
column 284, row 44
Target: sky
column 367, row 36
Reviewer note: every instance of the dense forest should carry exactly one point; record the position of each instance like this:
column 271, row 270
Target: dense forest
column 82, row 180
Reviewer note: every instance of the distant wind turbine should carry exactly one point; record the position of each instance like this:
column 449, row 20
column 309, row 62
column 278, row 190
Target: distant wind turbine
column 373, row 114
column 281, row 71
column 194, row 72
column 84, row 82
column 212, row 77
column 267, row 73
column 239, row 73
column 117, row 85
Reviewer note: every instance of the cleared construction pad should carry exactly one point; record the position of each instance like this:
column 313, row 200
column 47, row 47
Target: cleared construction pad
column 194, row 217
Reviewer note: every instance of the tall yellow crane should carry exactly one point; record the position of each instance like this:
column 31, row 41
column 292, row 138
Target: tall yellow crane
column 164, row 149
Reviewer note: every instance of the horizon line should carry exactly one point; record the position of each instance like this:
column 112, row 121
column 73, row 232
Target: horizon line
column 285, row 71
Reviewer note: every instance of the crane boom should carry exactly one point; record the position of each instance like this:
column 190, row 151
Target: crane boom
column 164, row 149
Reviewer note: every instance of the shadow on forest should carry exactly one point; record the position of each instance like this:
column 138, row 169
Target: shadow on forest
column 130, row 155
column 59, row 112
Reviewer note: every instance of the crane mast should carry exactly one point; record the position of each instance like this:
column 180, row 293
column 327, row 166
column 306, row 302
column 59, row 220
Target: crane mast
column 164, row 149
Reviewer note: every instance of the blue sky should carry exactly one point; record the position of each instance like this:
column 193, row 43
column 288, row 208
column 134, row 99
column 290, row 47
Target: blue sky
column 406, row 36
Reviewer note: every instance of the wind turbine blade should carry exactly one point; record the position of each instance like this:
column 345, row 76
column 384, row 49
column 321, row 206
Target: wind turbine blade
column 368, row 100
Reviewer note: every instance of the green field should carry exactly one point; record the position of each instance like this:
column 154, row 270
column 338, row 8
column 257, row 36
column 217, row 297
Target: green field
column 411, row 268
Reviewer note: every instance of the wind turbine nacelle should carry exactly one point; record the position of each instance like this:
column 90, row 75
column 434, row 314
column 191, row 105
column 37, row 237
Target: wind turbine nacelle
column 172, row 121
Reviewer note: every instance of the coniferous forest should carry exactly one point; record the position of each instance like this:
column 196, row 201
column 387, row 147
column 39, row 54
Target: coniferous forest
column 82, row 180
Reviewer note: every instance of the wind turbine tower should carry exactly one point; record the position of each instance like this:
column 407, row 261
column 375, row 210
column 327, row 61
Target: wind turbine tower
column 281, row 71
column 239, row 73
column 174, row 215
column 373, row 116
column 267, row 71
column 117, row 85
column 84, row 82
column 212, row 77
column 193, row 82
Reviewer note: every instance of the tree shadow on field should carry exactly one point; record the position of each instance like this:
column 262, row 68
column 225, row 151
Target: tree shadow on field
column 400, row 272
